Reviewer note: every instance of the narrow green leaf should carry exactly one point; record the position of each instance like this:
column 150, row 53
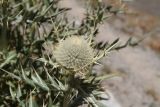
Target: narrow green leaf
column 50, row 103
column 107, row 76
column 39, row 83
column 11, row 74
column 13, row 94
column 19, row 92
column 62, row 87
column 26, row 79
column 38, row 80
column 32, row 102
column 10, row 57
column 53, row 82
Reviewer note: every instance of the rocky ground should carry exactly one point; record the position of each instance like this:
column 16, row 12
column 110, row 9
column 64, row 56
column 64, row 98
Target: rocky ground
column 139, row 86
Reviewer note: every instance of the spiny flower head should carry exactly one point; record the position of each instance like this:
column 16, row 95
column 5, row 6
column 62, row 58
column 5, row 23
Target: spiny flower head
column 74, row 52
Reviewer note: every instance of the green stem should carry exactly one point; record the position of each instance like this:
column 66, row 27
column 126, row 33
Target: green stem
column 68, row 93
column 67, row 97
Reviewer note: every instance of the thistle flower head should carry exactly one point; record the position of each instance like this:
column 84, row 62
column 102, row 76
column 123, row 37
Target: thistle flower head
column 74, row 52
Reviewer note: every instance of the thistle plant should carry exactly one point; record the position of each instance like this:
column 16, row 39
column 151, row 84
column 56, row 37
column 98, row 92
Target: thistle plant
column 75, row 53
column 30, row 75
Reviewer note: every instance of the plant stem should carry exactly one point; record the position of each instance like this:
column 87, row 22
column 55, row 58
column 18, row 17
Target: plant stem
column 67, row 97
column 68, row 93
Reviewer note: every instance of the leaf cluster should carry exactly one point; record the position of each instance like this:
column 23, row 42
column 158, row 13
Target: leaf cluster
column 29, row 73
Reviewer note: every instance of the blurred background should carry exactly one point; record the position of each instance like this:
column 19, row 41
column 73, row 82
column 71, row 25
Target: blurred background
column 140, row 84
